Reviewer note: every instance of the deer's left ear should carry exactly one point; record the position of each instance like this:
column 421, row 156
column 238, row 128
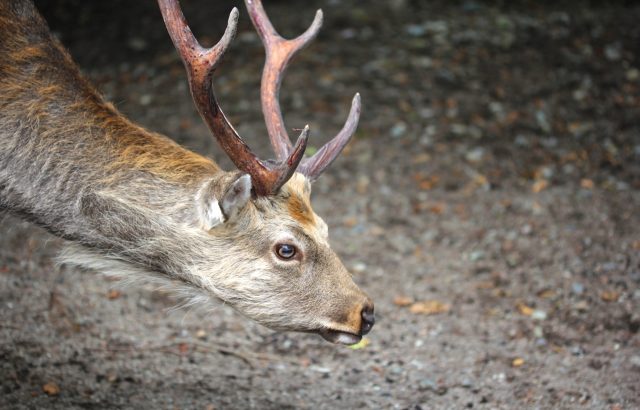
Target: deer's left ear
column 236, row 197
column 212, row 211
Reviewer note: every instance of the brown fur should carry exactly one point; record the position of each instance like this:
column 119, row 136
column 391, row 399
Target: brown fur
column 299, row 209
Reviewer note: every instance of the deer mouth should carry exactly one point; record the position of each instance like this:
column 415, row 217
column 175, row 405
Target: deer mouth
column 339, row 337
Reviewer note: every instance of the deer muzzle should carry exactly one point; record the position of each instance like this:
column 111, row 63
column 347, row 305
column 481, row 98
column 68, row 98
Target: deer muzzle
column 360, row 321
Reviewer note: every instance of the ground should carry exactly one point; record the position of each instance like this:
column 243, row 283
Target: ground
column 489, row 204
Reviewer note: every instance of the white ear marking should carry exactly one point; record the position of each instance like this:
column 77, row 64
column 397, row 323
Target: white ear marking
column 209, row 212
column 212, row 215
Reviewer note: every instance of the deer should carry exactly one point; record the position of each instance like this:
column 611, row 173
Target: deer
column 132, row 203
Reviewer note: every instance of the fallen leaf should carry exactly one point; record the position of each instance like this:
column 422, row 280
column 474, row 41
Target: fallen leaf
column 539, row 185
column 609, row 296
column 114, row 294
column 517, row 362
column 546, row 293
column 431, row 307
column 493, row 312
column 402, row 301
column 51, row 389
column 350, row 222
column 437, row 208
column 524, row 309
column 112, row 377
column 586, row 183
column 421, row 158
column 485, row 285
column 183, row 348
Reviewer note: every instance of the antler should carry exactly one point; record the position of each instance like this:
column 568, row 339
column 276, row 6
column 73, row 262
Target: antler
column 279, row 52
column 200, row 63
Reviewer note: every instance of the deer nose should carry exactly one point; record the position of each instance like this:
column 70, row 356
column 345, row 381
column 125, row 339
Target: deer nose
column 368, row 318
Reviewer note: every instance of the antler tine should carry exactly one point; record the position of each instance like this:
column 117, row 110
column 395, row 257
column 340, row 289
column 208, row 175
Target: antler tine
column 200, row 62
column 314, row 166
column 279, row 52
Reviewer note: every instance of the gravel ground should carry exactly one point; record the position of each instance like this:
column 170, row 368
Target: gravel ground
column 489, row 204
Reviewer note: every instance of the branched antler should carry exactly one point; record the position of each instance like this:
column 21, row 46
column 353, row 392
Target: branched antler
column 279, row 52
column 267, row 177
column 200, row 63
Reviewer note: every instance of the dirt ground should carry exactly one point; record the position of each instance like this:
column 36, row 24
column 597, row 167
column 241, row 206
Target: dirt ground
column 490, row 205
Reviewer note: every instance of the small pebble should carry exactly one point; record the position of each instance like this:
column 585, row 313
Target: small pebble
column 137, row 43
column 475, row 155
column 398, row 130
column 538, row 332
column 359, row 267
column 539, row 315
column 320, row 369
column 577, row 351
column 632, row 74
column 476, row 256
column 145, row 99
column 416, row 30
column 428, row 384
column 613, row 52
column 577, row 288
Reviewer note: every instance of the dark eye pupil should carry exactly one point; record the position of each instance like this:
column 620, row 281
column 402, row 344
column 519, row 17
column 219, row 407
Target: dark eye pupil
column 286, row 251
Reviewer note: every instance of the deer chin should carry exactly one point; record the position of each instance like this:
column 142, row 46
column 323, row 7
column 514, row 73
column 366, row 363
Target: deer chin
column 339, row 337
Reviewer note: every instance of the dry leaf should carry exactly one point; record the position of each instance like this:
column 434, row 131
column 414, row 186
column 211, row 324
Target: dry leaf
column 350, row 222
column 586, row 183
column 421, row 158
column 183, row 348
column 524, row 309
column 437, row 208
column 609, row 296
column 431, row 307
column 539, row 185
column 485, row 285
column 114, row 294
column 51, row 389
column 402, row 300
column 546, row 293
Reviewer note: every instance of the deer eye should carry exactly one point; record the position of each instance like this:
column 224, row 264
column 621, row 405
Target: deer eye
column 286, row 251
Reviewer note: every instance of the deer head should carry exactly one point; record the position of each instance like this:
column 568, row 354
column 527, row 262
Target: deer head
column 278, row 267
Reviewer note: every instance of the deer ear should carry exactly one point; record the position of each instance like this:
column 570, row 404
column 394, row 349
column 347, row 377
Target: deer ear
column 236, row 197
column 213, row 212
